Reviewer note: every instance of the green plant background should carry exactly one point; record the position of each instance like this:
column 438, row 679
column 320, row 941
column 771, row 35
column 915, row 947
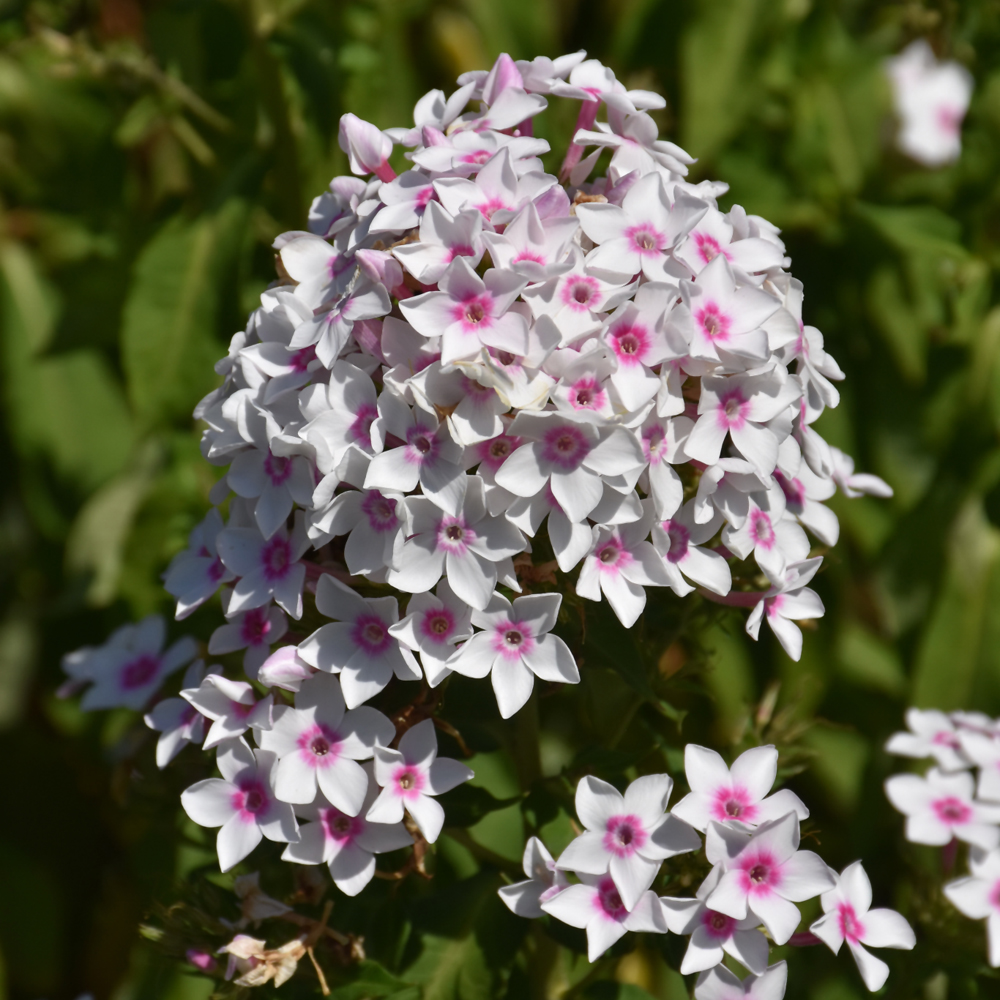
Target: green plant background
column 150, row 150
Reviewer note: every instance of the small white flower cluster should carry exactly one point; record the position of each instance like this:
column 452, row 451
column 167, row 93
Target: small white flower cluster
column 949, row 804
column 758, row 875
column 931, row 99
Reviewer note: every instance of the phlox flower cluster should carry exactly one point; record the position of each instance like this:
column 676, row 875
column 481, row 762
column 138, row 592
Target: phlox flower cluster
column 758, row 875
column 457, row 365
column 957, row 799
column 931, row 99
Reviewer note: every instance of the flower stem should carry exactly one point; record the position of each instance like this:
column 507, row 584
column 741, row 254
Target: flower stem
column 524, row 750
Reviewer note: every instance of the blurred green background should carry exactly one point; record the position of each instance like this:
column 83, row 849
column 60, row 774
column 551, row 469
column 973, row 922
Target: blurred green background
column 150, row 150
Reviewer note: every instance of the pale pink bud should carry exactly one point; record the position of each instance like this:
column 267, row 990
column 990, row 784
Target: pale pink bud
column 503, row 75
column 367, row 148
column 284, row 668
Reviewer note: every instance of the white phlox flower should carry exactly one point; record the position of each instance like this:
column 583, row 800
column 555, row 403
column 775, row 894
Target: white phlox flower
column 940, row 806
column 177, row 722
column 514, row 647
column 978, row 897
column 734, row 795
column 231, row 705
column 346, row 843
column 242, row 802
column 358, row 645
column 130, row 667
column 720, row 984
column 411, row 776
column 679, row 540
column 433, row 625
column 931, row 734
column 764, row 873
column 544, row 882
column 787, row 601
column 931, row 99
column 254, row 631
column 318, row 744
column 627, row 836
column 195, row 574
column 848, row 917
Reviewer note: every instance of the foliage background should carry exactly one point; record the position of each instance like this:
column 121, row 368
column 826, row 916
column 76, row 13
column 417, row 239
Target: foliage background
column 150, row 150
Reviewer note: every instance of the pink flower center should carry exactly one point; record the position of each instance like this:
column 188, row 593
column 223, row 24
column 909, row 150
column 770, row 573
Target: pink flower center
column 850, row 926
column 708, row 247
column 761, row 530
column 421, row 445
column 319, row 745
column 250, row 799
column 624, row 835
column 714, row 323
column 612, row 556
column 733, row 409
column 950, row 120
column 380, row 511
column 537, row 258
column 277, row 468
column 370, row 635
column 339, row 827
column 760, row 872
column 216, row 571
column 361, row 428
column 718, row 925
column 579, row 292
column 255, row 627
column 512, row 640
column 680, row 539
column 437, row 625
column 495, row 452
column 410, row 781
column 565, row 447
column 460, row 250
column 241, row 710
column 952, row 810
column 946, row 739
column 276, row 558
column 646, row 239
column 454, row 536
column 733, row 803
column 609, row 900
column 630, row 342
column 586, row 394
column 139, row 672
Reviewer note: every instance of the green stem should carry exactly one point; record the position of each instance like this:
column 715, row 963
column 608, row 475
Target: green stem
column 627, row 717
column 527, row 759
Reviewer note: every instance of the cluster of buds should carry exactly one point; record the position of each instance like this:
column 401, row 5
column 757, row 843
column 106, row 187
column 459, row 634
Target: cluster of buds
column 758, row 874
column 462, row 364
column 949, row 804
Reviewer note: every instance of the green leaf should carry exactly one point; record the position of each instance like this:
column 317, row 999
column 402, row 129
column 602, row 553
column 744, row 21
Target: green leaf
column 167, row 339
column 468, row 804
column 372, row 981
column 869, row 661
column 449, row 969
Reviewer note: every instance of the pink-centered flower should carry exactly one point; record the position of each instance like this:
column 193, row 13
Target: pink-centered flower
column 443, row 237
column 346, row 843
column 318, row 745
column 720, row 984
column 515, row 646
column 411, row 776
column 931, row 734
column 627, row 836
column 269, row 568
column 469, row 313
column 195, row 574
column 277, row 482
column 734, row 795
column 472, row 548
column 847, row 917
column 940, row 806
column 786, row 602
column 231, row 705
column 713, row 935
column 358, row 644
column 638, row 236
column 374, row 522
column 131, row 666
column 764, row 873
column 533, row 247
column 242, row 802
column 679, row 542
column 433, row 625
column 713, row 236
column 596, row 905
column 978, row 897
column 255, row 631
column 176, row 721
